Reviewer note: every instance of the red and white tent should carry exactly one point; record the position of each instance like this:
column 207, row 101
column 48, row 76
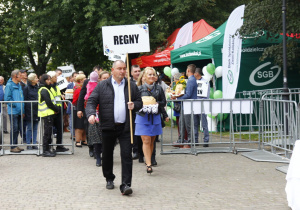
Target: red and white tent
column 163, row 58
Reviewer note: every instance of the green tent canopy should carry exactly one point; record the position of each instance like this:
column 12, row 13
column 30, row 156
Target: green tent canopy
column 254, row 74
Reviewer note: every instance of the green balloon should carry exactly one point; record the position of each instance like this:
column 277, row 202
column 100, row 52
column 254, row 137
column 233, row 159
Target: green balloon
column 172, row 105
column 174, row 118
column 211, row 93
column 211, row 116
column 222, row 117
column 218, row 94
column 168, row 71
column 210, row 68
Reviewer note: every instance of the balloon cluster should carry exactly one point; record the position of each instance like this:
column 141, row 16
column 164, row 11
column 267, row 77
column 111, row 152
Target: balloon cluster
column 209, row 70
column 170, row 72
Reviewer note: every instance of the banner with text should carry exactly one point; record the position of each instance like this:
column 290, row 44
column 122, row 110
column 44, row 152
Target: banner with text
column 232, row 48
column 66, row 70
column 125, row 39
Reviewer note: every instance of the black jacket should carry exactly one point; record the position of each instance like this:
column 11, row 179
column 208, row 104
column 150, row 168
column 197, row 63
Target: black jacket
column 159, row 96
column 103, row 95
column 45, row 96
column 80, row 102
column 31, row 94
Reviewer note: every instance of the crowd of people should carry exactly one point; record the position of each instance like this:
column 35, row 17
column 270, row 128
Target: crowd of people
column 100, row 117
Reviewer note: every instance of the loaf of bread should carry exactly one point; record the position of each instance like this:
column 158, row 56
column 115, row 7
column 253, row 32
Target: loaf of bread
column 178, row 89
column 70, row 91
column 69, row 94
column 148, row 100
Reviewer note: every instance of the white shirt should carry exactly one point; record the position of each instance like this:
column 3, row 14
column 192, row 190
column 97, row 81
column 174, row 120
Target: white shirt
column 119, row 101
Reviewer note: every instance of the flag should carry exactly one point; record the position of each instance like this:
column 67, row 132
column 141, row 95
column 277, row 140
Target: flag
column 232, row 48
column 184, row 35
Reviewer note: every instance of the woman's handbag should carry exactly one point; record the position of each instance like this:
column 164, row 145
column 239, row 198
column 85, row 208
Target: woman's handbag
column 177, row 106
column 94, row 134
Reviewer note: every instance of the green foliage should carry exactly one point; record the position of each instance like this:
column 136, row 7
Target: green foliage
column 266, row 15
column 51, row 33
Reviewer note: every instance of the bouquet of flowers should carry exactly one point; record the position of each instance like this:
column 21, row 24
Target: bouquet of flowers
column 180, row 86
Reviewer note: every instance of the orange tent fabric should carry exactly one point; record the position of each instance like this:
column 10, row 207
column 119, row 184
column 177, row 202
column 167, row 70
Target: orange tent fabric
column 163, row 58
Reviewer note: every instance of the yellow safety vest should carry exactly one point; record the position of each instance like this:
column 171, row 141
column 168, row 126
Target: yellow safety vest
column 57, row 95
column 43, row 109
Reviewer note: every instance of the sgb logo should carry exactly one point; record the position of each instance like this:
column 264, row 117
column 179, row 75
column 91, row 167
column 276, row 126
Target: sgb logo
column 264, row 74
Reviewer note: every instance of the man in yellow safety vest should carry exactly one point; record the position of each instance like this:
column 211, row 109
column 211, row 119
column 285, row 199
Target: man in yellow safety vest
column 47, row 109
column 58, row 120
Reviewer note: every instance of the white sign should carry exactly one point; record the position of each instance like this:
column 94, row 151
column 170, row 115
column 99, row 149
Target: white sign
column 62, row 82
column 66, row 70
column 125, row 39
column 114, row 57
column 202, row 88
column 232, row 49
column 218, row 106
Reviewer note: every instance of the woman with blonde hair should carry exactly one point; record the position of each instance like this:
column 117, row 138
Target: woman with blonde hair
column 148, row 119
column 80, row 134
column 31, row 110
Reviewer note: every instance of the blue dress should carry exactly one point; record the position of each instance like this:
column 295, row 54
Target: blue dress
column 148, row 125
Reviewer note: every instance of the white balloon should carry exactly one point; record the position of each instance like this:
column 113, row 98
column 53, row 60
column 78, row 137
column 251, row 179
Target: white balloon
column 207, row 77
column 204, row 71
column 218, row 72
column 174, row 71
column 169, row 112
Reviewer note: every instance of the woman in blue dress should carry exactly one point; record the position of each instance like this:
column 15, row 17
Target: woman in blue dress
column 148, row 119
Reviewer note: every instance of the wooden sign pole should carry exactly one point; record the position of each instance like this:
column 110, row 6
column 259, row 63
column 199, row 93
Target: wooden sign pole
column 129, row 98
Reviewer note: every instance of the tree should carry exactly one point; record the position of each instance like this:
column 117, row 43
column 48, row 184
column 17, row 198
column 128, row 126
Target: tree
column 36, row 27
column 58, row 32
column 266, row 16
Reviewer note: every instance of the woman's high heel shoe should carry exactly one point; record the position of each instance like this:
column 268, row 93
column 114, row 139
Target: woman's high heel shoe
column 149, row 169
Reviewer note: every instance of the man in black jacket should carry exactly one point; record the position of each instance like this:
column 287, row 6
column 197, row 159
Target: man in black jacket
column 112, row 97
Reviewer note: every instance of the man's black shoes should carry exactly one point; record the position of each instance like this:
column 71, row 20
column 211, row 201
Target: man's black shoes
column 126, row 190
column 110, row 185
column 48, row 154
column 61, row 149
column 135, row 156
column 205, row 145
column 153, row 162
column 141, row 159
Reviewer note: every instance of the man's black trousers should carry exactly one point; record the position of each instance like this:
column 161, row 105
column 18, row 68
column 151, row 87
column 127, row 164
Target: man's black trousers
column 108, row 145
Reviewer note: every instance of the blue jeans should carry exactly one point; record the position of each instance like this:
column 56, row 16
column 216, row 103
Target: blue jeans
column 31, row 130
column 71, row 127
column 15, row 128
column 197, row 118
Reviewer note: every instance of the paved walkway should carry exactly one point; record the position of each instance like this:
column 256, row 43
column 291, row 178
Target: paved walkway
column 206, row 181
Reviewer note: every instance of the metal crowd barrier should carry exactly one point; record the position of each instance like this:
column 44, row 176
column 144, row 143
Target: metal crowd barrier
column 278, row 121
column 221, row 138
column 279, row 124
column 276, row 92
column 5, row 138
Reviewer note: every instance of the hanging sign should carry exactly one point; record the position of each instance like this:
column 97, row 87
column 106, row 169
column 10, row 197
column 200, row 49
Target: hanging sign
column 125, row 39
column 62, row 82
column 202, row 88
column 66, row 70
